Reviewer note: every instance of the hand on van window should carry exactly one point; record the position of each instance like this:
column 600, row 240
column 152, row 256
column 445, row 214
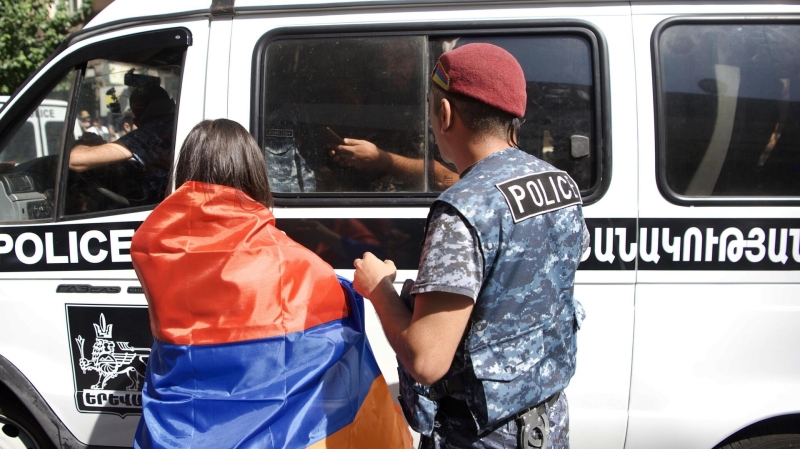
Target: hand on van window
column 365, row 155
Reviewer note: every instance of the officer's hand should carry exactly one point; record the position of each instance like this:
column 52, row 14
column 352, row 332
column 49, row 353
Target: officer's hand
column 373, row 276
column 361, row 154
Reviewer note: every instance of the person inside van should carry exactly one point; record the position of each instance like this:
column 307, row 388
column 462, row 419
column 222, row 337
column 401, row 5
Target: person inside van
column 86, row 125
column 125, row 124
column 148, row 147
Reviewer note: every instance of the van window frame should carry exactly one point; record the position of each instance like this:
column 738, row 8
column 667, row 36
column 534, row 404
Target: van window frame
column 600, row 79
column 76, row 61
column 660, row 112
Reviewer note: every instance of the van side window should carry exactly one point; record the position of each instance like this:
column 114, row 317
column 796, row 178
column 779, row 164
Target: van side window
column 130, row 102
column 29, row 159
column 729, row 114
column 319, row 90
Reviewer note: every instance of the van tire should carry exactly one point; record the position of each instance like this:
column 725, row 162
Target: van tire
column 779, row 432
column 781, row 441
column 17, row 425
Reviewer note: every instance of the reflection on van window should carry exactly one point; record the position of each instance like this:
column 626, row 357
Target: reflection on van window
column 731, row 110
column 29, row 159
column 23, row 145
column 321, row 90
column 373, row 92
column 123, row 134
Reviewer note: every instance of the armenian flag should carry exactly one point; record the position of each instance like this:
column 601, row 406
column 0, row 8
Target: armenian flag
column 257, row 342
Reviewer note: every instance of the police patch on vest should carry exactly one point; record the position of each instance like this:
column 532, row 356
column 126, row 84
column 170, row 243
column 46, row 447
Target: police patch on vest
column 539, row 193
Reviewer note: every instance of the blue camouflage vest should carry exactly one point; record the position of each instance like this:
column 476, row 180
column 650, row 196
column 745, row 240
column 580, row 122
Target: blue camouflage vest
column 519, row 348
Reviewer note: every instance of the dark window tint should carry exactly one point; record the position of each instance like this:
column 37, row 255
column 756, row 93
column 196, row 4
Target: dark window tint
column 559, row 116
column 52, row 131
column 22, row 146
column 29, row 159
column 374, row 89
column 730, row 116
column 145, row 86
column 370, row 89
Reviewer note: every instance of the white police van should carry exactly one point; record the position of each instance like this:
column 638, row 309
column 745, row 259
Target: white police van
column 679, row 121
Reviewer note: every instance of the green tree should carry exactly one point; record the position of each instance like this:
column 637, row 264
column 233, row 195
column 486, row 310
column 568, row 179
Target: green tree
column 29, row 31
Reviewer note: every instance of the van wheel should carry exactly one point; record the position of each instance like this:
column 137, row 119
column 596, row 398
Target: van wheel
column 774, row 433
column 765, row 442
column 18, row 429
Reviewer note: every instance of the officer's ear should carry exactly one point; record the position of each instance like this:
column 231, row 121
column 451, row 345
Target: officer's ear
column 445, row 115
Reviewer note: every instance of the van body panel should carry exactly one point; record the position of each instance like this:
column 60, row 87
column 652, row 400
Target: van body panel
column 708, row 340
column 678, row 350
column 117, row 11
column 43, row 349
column 598, row 394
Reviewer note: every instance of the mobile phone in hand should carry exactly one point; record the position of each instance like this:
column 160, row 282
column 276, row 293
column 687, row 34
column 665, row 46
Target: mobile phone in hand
column 333, row 137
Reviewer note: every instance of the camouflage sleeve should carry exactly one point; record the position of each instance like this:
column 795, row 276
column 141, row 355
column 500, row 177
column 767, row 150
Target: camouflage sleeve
column 282, row 169
column 451, row 258
column 586, row 241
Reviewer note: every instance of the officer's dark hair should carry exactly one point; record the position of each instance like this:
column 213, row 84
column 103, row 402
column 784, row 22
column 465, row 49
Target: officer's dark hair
column 222, row 152
column 478, row 116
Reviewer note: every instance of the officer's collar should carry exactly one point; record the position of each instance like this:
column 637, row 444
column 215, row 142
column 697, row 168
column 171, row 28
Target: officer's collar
column 469, row 169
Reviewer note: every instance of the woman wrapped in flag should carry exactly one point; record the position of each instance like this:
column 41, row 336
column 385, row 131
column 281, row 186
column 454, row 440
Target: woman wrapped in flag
column 257, row 342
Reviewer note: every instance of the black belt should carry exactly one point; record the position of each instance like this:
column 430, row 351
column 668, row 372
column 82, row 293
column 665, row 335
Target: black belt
column 447, row 387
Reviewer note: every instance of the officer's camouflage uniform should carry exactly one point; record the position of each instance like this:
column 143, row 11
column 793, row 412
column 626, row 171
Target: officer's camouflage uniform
column 286, row 166
column 283, row 164
column 458, row 432
column 517, row 273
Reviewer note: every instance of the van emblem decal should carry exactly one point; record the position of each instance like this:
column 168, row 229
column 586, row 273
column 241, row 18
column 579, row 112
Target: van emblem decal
column 109, row 372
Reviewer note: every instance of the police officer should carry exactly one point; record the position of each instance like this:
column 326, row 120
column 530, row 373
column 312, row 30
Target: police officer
column 485, row 337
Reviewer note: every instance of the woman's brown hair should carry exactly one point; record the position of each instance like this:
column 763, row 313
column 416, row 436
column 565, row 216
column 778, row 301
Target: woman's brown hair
column 223, row 152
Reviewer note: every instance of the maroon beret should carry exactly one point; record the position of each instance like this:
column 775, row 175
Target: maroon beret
column 486, row 73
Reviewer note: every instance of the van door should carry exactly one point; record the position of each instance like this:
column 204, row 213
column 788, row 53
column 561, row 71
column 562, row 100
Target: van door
column 718, row 290
column 74, row 320
column 305, row 78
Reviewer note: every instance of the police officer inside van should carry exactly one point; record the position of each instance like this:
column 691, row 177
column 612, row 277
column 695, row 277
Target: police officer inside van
column 485, row 337
column 148, row 148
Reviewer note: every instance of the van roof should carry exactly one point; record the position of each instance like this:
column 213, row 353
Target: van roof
column 132, row 10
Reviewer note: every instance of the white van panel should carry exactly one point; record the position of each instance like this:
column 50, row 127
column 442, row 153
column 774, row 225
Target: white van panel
column 711, row 350
column 712, row 347
column 47, row 364
column 707, row 356
column 43, row 353
column 219, row 53
column 598, row 394
column 652, row 9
